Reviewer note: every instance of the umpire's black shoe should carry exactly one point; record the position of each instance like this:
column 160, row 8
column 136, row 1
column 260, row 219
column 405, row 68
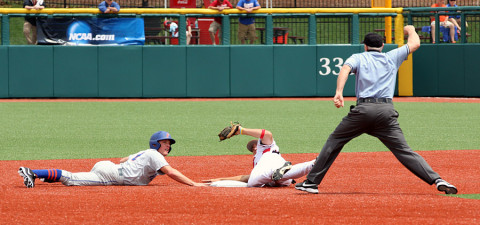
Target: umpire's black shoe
column 446, row 187
column 278, row 174
column 307, row 186
column 28, row 176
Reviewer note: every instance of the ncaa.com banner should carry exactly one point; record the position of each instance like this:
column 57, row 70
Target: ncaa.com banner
column 90, row 31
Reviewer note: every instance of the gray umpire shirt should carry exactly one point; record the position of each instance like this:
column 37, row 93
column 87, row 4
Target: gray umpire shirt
column 376, row 72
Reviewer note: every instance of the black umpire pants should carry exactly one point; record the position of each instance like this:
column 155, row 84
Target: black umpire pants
column 380, row 121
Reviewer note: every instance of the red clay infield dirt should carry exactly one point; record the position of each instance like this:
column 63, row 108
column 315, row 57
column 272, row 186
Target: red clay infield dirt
column 360, row 188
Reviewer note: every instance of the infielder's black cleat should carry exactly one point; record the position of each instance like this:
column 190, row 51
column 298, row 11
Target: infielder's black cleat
column 307, row 186
column 28, row 176
column 278, row 174
column 446, row 187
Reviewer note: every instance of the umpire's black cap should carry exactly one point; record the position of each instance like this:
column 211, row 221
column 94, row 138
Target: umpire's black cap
column 373, row 40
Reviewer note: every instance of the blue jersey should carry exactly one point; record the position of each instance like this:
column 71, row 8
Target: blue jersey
column 376, row 72
column 247, row 4
column 453, row 16
column 104, row 5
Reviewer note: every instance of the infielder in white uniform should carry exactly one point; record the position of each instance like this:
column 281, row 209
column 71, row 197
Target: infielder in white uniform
column 269, row 167
column 137, row 169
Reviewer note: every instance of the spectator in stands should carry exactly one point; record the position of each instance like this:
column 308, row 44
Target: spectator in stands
column 246, row 25
column 455, row 19
column 30, row 24
column 216, row 25
column 443, row 22
column 109, row 6
column 189, row 31
column 172, row 27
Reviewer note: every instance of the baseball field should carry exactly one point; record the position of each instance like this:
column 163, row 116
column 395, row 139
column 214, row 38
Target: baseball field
column 366, row 184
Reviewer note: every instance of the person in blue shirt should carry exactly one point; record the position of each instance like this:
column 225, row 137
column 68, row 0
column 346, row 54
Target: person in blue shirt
column 246, row 25
column 374, row 114
column 109, row 6
column 455, row 19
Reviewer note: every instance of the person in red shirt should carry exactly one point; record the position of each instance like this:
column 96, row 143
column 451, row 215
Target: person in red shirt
column 189, row 31
column 443, row 22
column 217, row 23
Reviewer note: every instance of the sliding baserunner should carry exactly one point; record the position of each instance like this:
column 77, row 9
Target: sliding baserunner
column 137, row 169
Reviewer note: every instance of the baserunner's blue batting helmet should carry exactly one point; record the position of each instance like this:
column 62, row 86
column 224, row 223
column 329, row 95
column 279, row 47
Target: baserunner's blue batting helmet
column 158, row 136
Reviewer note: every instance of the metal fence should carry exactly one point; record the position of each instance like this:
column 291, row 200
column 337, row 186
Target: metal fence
column 421, row 17
column 330, row 28
column 274, row 3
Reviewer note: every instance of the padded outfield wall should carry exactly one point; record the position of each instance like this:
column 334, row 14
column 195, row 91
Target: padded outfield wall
column 221, row 71
column 447, row 70
column 175, row 71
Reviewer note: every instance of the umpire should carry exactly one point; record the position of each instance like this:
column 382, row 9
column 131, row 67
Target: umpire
column 374, row 113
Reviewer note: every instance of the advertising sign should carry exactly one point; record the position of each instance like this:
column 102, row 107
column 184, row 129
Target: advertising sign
column 183, row 4
column 90, row 31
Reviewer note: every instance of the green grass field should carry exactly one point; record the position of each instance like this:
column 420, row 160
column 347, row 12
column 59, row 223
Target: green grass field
column 469, row 196
column 16, row 31
column 72, row 130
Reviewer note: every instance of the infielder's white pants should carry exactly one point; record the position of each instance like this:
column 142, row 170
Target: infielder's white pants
column 103, row 173
column 262, row 173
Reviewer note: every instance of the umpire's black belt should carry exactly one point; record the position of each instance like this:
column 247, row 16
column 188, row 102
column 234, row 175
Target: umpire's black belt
column 374, row 100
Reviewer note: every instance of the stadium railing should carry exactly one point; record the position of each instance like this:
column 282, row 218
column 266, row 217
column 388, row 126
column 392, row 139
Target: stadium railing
column 420, row 17
column 312, row 25
column 263, row 3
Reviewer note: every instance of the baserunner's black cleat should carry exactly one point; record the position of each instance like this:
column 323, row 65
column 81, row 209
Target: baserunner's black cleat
column 28, row 176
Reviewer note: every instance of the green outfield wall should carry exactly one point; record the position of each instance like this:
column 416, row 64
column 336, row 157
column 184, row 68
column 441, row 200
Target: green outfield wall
column 447, row 70
column 220, row 71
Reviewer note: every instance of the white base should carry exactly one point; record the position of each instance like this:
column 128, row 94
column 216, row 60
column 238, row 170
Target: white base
column 228, row 183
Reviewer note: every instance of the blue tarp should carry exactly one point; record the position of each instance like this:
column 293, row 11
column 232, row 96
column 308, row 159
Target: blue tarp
column 445, row 31
column 90, row 31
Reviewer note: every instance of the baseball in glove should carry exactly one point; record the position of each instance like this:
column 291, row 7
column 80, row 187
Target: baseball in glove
column 229, row 131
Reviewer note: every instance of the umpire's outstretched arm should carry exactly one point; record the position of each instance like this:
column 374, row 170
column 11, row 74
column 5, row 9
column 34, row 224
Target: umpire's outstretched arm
column 413, row 39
